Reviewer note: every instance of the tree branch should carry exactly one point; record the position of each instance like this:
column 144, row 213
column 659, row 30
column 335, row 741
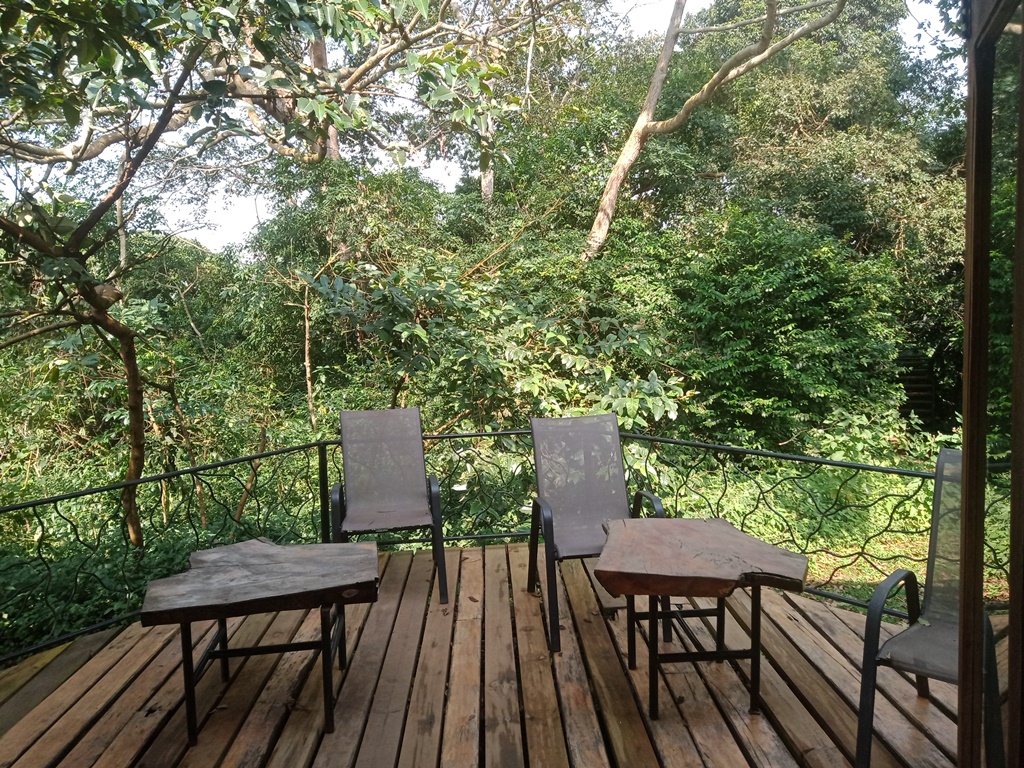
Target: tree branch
column 37, row 332
column 758, row 20
column 162, row 123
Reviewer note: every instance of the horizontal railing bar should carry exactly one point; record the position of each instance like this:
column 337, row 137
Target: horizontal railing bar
column 780, row 456
column 453, row 436
column 165, row 476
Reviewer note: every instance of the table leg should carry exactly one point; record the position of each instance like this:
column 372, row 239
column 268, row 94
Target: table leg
column 755, row 649
column 190, row 683
column 342, row 648
column 653, row 602
column 720, row 619
column 327, row 662
column 631, row 637
column 222, row 640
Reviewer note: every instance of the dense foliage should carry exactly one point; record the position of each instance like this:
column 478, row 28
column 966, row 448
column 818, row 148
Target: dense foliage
column 770, row 265
column 772, row 260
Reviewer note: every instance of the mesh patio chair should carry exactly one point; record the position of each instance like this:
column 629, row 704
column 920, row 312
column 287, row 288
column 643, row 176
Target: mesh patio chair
column 385, row 486
column 929, row 646
column 581, row 481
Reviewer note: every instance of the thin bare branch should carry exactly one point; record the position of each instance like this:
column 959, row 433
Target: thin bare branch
column 37, row 332
column 758, row 20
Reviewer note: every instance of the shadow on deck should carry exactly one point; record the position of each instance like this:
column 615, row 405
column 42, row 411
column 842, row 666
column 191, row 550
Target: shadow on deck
column 471, row 683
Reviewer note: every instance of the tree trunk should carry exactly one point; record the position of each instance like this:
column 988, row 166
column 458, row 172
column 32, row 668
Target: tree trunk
column 308, row 355
column 610, row 196
column 487, row 163
column 737, row 65
column 318, row 55
column 136, row 415
column 136, row 439
column 637, row 138
column 186, row 436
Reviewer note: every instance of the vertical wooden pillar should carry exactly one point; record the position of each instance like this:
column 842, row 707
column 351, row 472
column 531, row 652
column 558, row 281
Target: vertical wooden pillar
column 1015, row 669
column 980, row 73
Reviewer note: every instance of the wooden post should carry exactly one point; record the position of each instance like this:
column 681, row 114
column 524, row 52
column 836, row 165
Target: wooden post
column 980, row 72
column 1015, row 668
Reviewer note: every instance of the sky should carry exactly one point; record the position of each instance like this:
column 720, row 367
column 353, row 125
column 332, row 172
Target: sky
column 238, row 216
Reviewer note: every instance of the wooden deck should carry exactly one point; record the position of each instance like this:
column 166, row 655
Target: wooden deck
column 469, row 684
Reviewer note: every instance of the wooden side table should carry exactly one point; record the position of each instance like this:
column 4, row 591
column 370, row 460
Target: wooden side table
column 259, row 576
column 693, row 558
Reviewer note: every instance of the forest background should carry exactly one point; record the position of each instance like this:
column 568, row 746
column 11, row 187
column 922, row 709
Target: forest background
column 746, row 231
column 774, row 265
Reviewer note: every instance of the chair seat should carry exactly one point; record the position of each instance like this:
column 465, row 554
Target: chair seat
column 368, row 517
column 930, row 649
column 579, row 542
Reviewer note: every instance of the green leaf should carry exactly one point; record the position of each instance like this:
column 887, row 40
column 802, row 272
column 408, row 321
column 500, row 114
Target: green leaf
column 9, row 18
column 423, row 6
column 72, row 112
column 216, row 88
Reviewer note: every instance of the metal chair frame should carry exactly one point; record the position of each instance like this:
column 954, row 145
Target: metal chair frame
column 341, row 530
column 923, row 619
column 543, row 522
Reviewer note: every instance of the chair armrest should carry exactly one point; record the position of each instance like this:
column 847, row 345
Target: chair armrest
column 337, row 511
column 541, row 517
column 876, row 607
column 435, row 499
column 638, row 499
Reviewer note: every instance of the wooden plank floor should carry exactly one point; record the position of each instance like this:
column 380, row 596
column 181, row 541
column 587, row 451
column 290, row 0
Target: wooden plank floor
column 470, row 684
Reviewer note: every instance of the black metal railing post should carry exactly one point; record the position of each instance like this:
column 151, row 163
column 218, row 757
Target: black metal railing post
column 325, row 494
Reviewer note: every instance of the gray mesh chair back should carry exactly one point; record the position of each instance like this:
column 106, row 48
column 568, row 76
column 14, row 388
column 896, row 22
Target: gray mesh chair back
column 581, row 476
column 385, row 486
column 385, row 474
column 581, row 485
column 941, row 600
column 929, row 647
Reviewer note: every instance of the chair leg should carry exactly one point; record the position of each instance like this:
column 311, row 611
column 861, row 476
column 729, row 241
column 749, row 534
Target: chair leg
column 437, row 539
column 866, row 712
column 554, row 640
column 439, row 564
column 532, row 573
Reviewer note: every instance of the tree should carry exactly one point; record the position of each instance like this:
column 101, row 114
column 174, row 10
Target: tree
column 775, row 35
column 102, row 83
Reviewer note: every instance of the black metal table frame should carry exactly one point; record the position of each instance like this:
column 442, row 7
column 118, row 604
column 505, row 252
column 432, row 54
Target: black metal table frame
column 659, row 610
column 330, row 644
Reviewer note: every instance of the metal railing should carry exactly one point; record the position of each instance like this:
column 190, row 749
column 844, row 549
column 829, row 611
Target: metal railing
column 66, row 564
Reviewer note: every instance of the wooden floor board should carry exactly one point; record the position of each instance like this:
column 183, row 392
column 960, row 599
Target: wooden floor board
column 12, row 680
column 383, row 733
column 472, row 683
column 502, row 721
column 673, row 739
column 622, row 719
column 728, row 683
column 460, row 746
column 421, row 740
column 545, row 740
column 35, row 684
column 583, row 734
column 340, row 749
column 34, row 725
column 92, row 744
